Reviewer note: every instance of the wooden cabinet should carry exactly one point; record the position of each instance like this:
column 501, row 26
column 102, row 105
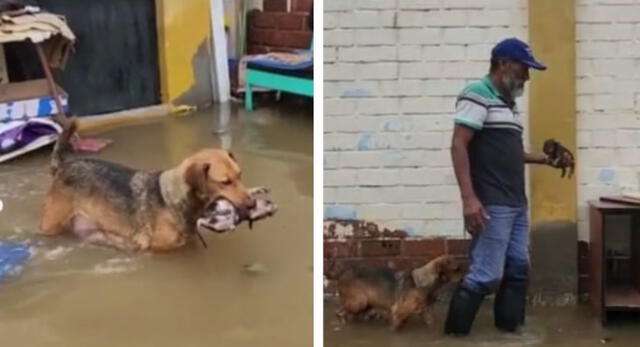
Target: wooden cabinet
column 614, row 271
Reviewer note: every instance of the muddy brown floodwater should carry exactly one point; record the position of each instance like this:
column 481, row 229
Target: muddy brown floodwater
column 249, row 288
column 545, row 326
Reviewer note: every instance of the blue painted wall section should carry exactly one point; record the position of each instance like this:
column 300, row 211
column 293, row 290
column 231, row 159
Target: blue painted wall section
column 365, row 142
column 607, row 175
column 343, row 212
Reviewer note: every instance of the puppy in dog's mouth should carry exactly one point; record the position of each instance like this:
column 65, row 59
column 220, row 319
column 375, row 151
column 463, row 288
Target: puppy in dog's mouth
column 221, row 215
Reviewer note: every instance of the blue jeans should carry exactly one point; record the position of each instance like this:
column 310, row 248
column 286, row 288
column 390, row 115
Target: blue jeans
column 500, row 250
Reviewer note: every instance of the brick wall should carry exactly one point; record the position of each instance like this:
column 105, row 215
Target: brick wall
column 374, row 245
column 392, row 72
column 277, row 29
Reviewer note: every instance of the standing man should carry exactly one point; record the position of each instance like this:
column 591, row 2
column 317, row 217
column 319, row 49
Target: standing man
column 488, row 159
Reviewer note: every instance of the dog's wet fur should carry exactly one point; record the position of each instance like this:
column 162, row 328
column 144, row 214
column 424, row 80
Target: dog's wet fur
column 367, row 292
column 111, row 204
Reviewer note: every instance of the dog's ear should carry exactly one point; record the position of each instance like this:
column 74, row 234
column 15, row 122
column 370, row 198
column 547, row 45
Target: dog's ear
column 196, row 176
column 233, row 157
column 425, row 277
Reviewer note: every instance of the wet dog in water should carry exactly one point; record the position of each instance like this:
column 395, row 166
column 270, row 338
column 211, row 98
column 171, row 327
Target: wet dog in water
column 370, row 292
column 110, row 204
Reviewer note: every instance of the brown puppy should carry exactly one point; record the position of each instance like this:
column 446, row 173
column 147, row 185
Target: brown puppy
column 559, row 156
column 368, row 292
column 111, row 204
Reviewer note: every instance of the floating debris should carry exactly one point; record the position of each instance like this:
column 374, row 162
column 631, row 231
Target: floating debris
column 255, row 268
column 183, row 110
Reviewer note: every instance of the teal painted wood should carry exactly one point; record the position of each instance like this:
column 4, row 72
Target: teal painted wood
column 291, row 84
column 248, row 97
column 296, row 85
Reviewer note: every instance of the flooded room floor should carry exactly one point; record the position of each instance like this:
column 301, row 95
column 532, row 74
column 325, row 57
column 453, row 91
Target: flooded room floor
column 553, row 327
column 249, row 288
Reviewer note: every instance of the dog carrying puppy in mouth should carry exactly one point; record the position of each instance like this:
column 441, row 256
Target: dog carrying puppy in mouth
column 367, row 292
column 114, row 205
column 221, row 215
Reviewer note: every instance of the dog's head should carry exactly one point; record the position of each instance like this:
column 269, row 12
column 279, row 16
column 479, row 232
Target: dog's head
column 549, row 147
column 449, row 269
column 438, row 272
column 212, row 174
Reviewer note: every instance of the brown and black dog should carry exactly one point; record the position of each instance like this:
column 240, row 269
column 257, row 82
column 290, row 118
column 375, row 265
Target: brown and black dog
column 369, row 292
column 559, row 156
column 110, row 204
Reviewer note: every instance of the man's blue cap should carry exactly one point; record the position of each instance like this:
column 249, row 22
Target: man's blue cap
column 516, row 50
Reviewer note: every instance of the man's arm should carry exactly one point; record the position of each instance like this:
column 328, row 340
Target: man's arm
column 474, row 213
column 460, row 157
column 535, row 158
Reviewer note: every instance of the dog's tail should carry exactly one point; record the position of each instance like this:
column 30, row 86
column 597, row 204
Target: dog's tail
column 63, row 145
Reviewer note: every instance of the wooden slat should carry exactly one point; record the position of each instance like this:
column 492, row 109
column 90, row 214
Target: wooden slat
column 32, row 89
column 595, row 261
column 622, row 297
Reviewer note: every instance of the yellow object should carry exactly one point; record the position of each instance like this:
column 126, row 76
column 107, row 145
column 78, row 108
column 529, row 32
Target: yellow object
column 182, row 110
column 228, row 20
column 183, row 27
column 552, row 106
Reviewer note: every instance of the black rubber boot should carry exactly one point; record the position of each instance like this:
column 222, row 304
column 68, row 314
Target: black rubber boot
column 509, row 305
column 462, row 311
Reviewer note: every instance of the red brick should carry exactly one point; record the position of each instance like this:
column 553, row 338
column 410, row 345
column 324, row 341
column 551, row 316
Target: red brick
column 339, row 249
column 377, row 262
column 264, row 20
column 256, row 49
column 285, row 49
column 275, row 5
column 259, row 36
column 377, row 248
column 427, row 248
column 407, row 263
column 273, row 38
column 306, row 23
column 401, row 234
column 278, row 49
column 302, row 5
column 366, row 230
column 290, row 21
column 362, row 229
column 296, row 39
column 458, row 247
column 278, row 38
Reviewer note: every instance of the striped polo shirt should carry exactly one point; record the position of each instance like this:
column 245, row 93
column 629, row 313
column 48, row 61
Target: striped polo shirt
column 496, row 152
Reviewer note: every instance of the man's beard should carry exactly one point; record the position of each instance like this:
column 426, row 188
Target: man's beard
column 513, row 85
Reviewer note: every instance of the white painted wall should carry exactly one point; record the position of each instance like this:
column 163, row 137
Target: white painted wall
column 392, row 73
column 393, row 69
column 608, row 86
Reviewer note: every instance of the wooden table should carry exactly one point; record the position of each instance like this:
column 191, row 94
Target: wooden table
column 604, row 295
